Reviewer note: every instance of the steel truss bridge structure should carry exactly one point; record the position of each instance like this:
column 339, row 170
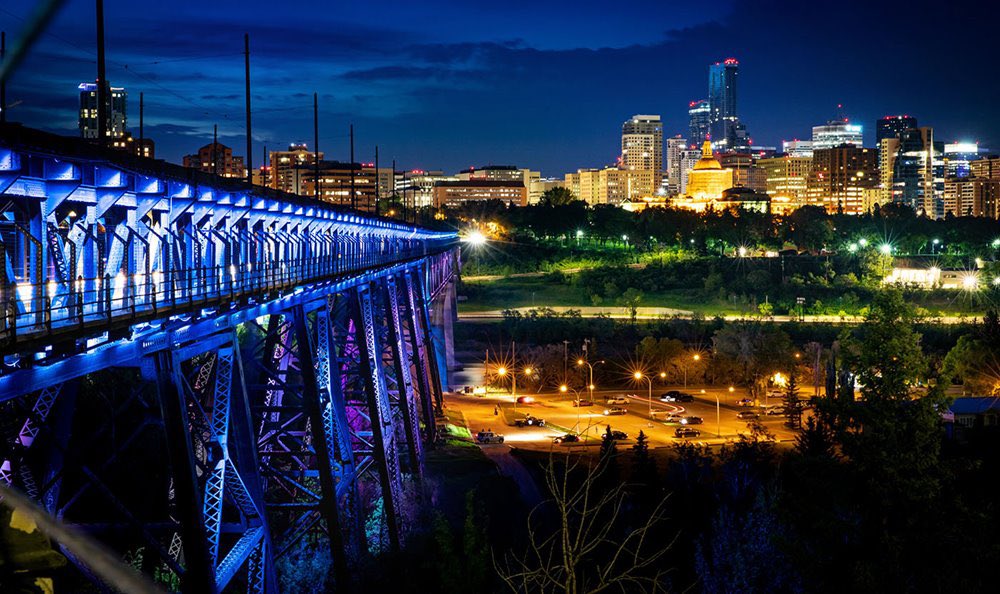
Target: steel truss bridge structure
column 205, row 374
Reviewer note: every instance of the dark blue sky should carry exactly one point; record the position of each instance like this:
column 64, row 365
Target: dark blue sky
column 541, row 84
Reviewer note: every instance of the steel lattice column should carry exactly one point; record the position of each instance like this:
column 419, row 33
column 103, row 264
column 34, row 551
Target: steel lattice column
column 323, row 431
column 421, row 358
column 401, row 363
column 383, row 433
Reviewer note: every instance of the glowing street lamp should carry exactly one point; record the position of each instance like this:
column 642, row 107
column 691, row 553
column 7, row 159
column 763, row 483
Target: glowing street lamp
column 638, row 375
column 885, row 249
column 475, row 238
column 863, row 242
column 590, row 384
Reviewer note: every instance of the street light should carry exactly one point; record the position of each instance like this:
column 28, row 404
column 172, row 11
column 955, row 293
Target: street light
column 590, row 384
column 638, row 375
column 696, row 357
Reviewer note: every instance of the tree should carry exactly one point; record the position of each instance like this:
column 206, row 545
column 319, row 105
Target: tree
column 749, row 351
column 793, row 404
column 588, row 551
column 630, row 300
column 557, row 196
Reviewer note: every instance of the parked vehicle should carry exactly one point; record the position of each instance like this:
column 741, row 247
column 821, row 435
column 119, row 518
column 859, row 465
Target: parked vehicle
column 583, row 402
column 618, row 435
column 774, row 410
column 568, row 438
column 666, row 415
column 489, row 437
column 620, row 399
column 686, row 432
column 615, row 410
column 744, row 402
column 692, row 420
column 670, row 396
column 747, row 415
column 530, row 421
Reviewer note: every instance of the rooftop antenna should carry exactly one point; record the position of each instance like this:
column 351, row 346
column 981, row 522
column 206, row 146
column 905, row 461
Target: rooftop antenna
column 246, row 62
column 316, row 141
column 354, row 203
column 3, row 81
column 141, row 151
column 102, row 90
column 215, row 146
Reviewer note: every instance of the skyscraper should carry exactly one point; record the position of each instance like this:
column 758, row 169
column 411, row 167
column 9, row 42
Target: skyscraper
column 841, row 177
column 918, row 173
column 957, row 156
column 117, row 119
column 700, row 121
column 284, row 164
column 891, row 126
column 642, row 143
column 728, row 133
column 835, row 133
column 675, row 146
column 642, row 147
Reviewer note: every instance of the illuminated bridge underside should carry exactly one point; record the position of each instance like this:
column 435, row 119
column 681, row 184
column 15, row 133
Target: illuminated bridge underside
column 263, row 368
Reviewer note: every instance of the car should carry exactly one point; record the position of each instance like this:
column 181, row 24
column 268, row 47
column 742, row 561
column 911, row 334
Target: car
column 663, row 413
column 615, row 410
column 686, row 432
column 774, row 410
column 489, row 437
column 583, row 402
column 620, row 399
column 692, row 420
column 670, row 396
column 568, row 438
column 618, row 435
column 525, row 399
column 744, row 402
column 530, row 421
column 747, row 415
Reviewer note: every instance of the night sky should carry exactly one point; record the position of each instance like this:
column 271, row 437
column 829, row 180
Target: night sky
column 445, row 85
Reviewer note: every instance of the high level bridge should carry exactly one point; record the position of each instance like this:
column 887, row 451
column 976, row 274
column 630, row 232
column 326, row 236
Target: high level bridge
column 201, row 373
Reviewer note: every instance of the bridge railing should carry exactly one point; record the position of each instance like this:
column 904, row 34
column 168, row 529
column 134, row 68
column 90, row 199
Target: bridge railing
column 30, row 310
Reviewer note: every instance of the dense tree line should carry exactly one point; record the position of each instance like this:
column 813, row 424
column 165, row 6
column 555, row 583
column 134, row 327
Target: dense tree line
column 807, row 229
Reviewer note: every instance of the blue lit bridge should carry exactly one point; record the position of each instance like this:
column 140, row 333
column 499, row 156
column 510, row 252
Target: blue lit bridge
column 202, row 373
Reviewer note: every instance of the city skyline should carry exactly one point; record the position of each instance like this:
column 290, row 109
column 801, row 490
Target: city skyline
column 418, row 91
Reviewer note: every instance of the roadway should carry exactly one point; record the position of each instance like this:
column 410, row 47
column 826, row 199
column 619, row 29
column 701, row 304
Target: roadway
column 498, row 411
column 654, row 313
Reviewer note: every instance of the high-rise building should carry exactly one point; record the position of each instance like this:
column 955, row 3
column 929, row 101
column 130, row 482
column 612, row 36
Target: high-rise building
column 841, row 177
column 786, row 181
column 918, row 173
column 988, row 168
column 675, row 146
column 117, row 121
column 456, row 193
column 957, row 156
column 972, row 197
column 746, row 174
column 689, row 158
column 797, row 148
column 728, row 133
column 699, row 121
column 835, row 133
column 722, row 78
column 216, row 158
column 609, row 185
column 415, row 188
column 891, row 126
column 888, row 150
column 642, row 147
column 492, row 173
column 336, row 180
column 285, row 164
